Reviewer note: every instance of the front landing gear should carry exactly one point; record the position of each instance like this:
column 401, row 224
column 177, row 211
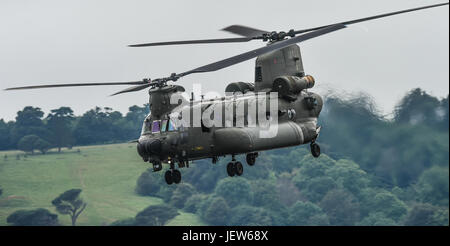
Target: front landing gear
column 315, row 149
column 172, row 176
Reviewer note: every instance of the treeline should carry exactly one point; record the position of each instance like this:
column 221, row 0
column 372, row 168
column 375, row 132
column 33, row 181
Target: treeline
column 373, row 171
column 61, row 128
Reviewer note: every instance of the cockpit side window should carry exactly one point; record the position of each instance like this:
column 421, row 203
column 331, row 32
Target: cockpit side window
column 146, row 127
column 156, row 126
column 172, row 126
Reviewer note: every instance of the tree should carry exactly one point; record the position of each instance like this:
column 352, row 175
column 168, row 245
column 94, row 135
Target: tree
column 377, row 219
column 307, row 214
column 433, row 186
column 265, row 194
column 348, row 175
column 418, row 107
column 37, row 217
column 148, row 183
column 5, row 135
column 99, row 126
column 181, row 194
column 28, row 122
column 42, row 145
column 192, row 204
column 70, row 203
column 287, row 191
column 216, row 212
column 59, row 122
column 245, row 215
column 156, row 215
column 423, row 214
column 28, row 143
column 235, row 191
column 341, row 207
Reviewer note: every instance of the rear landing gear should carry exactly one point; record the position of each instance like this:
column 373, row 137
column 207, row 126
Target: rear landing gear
column 251, row 158
column 235, row 168
column 315, row 149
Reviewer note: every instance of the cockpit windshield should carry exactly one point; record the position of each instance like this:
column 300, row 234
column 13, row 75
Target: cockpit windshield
column 156, row 126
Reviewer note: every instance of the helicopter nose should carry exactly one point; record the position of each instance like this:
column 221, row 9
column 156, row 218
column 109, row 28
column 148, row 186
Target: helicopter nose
column 149, row 147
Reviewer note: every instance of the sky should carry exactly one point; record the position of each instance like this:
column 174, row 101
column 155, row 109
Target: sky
column 51, row 41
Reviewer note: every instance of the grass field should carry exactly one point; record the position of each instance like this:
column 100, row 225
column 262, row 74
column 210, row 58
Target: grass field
column 107, row 175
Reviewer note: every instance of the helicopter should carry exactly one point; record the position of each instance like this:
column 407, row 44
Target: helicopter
column 277, row 110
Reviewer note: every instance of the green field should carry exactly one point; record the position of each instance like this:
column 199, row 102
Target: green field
column 107, row 175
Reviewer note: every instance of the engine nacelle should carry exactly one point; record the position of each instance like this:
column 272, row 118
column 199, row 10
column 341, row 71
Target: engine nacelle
column 241, row 87
column 291, row 85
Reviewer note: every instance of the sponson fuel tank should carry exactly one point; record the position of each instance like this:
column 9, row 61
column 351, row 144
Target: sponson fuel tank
column 245, row 140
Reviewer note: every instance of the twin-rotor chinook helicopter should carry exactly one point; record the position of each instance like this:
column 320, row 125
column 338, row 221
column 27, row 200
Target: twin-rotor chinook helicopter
column 279, row 69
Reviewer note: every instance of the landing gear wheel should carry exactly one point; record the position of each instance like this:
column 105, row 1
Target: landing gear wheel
column 315, row 150
column 238, row 168
column 157, row 166
column 169, row 178
column 230, row 169
column 251, row 159
column 176, row 176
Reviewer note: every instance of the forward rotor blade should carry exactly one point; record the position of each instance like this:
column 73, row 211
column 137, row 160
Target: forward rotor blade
column 244, row 31
column 257, row 52
column 133, row 88
column 201, row 41
column 372, row 17
column 76, row 85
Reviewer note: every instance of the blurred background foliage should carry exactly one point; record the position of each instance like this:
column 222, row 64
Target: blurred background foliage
column 375, row 169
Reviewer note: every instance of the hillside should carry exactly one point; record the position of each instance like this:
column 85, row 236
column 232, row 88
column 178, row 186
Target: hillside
column 107, row 175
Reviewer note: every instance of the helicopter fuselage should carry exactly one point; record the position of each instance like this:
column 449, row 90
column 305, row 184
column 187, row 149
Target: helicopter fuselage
column 294, row 122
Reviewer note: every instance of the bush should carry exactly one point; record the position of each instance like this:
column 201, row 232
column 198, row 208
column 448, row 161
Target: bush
column 124, row 222
column 155, row 215
column 148, row 183
column 37, row 217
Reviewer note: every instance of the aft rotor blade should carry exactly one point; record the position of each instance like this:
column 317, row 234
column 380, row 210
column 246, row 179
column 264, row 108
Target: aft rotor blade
column 76, row 85
column 257, row 52
column 201, row 41
column 244, row 31
column 132, row 89
column 372, row 17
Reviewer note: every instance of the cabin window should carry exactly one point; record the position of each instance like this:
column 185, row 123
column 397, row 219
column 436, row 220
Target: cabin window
column 156, row 126
column 164, row 126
